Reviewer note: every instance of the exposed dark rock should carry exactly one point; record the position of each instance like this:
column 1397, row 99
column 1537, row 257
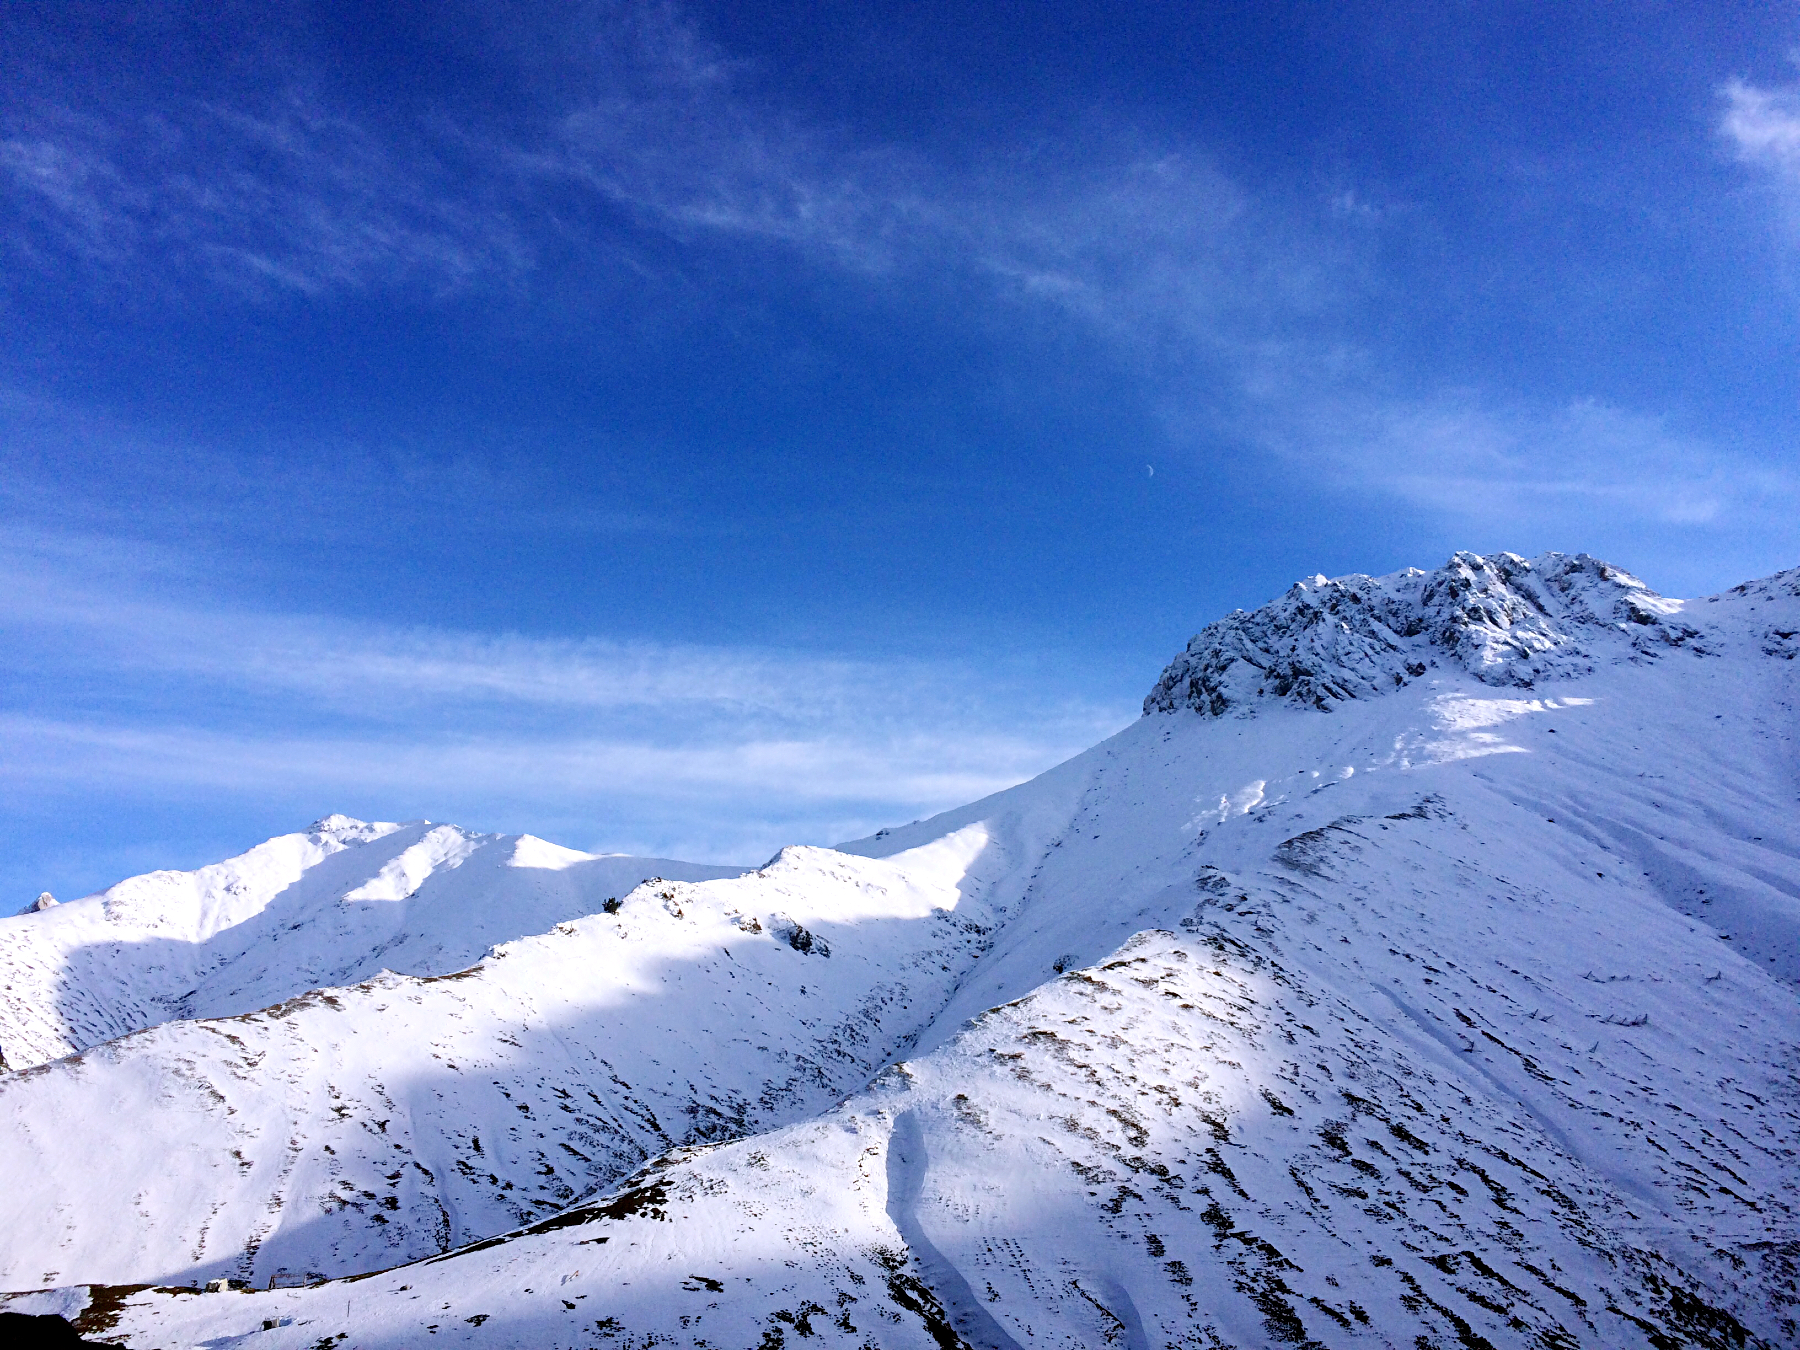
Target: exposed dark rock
column 23, row 1331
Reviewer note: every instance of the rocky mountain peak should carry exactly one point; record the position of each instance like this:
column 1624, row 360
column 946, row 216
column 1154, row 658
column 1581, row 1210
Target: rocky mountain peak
column 1506, row 620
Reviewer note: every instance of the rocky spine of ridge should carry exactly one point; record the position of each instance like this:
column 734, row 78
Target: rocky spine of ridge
column 1506, row 620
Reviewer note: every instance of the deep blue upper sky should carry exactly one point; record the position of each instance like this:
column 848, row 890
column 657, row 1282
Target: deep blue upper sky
column 700, row 428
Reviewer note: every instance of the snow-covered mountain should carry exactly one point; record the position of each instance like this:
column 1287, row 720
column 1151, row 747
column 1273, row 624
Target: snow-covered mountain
column 1421, row 969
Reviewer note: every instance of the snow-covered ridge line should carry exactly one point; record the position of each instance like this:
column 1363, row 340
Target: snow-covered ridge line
column 1504, row 619
column 326, row 907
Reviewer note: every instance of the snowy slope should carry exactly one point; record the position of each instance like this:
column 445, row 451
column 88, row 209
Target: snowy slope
column 1317, row 1007
column 353, row 1128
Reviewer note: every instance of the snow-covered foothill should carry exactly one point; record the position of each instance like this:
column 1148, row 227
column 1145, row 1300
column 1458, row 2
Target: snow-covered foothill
column 331, row 905
column 1465, row 1015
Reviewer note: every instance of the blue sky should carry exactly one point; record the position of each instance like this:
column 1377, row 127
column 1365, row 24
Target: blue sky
column 695, row 428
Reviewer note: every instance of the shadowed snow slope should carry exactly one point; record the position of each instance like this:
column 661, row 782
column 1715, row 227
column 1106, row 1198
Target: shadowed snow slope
column 1464, row 1014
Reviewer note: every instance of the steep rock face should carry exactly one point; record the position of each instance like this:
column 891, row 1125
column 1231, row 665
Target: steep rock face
column 1504, row 619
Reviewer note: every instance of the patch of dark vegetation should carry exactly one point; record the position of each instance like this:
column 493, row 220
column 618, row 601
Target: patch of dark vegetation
column 1549, row 1283
column 1332, row 1132
column 1279, row 1318
column 1698, row 1321
column 1308, row 853
column 1429, row 807
column 1135, row 1134
column 1502, row 1196
column 1219, row 1168
column 1218, row 1220
column 105, row 1303
column 1117, row 1329
column 452, row 976
column 1407, row 1137
column 800, row 1320
column 1276, row 1105
column 1116, row 1205
column 1466, row 1335
column 1341, row 1319
column 1530, row 1065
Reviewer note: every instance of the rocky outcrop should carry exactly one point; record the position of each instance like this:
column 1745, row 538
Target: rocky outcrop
column 1504, row 619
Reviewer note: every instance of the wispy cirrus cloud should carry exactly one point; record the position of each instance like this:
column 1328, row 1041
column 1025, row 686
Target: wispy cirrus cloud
column 1223, row 303
column 292, row 194
column 1140, row 239
column 289, row 196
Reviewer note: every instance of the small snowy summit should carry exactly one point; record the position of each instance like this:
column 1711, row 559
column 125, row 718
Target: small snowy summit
column 1421, row 970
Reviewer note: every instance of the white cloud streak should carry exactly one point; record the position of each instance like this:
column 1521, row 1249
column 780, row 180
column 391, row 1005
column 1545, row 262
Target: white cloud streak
column 905, row 771
column 1140, row 241
column 1763, row 126
column 348, row 665
column 1497, row 466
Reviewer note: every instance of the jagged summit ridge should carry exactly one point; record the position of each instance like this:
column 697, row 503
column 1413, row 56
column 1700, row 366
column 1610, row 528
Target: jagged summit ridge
column 1506, row 620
